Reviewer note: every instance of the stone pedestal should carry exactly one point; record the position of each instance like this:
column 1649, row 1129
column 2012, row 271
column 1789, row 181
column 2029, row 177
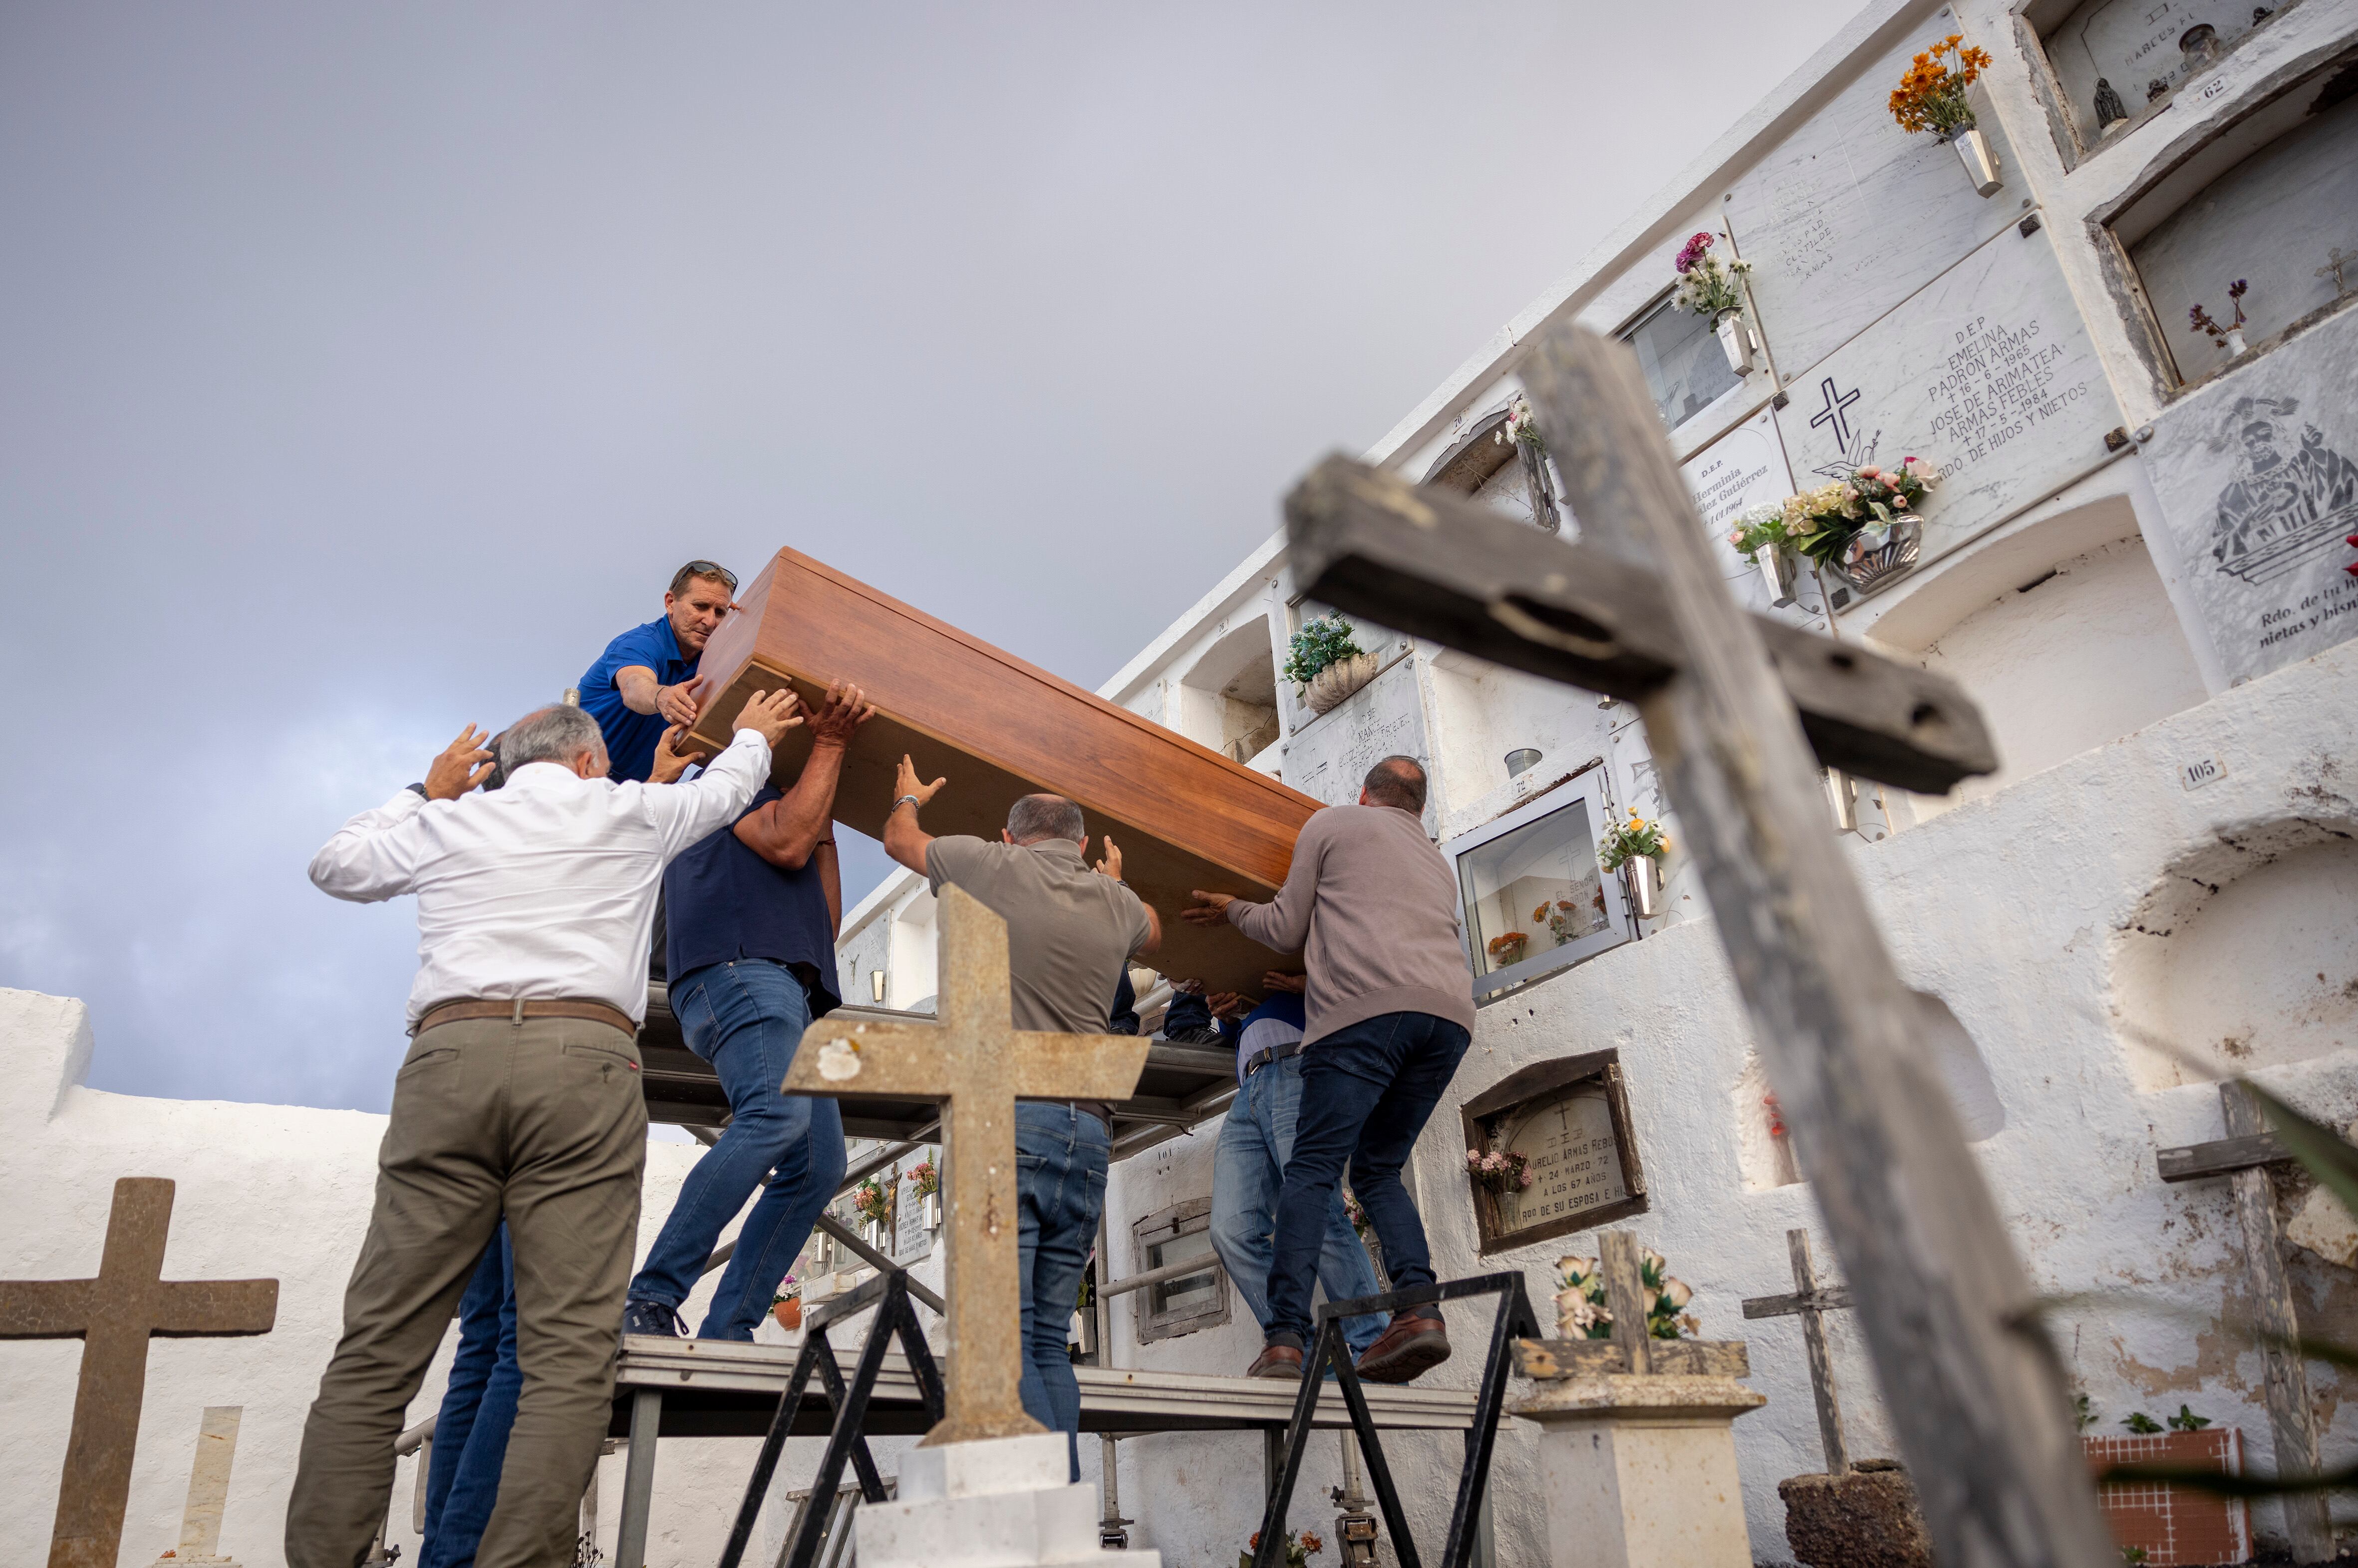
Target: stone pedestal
column 1641, row 1470
column 1865, row 1519
column 1000, row 1503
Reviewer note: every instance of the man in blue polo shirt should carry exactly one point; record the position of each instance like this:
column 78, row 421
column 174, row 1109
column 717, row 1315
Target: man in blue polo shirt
column 753, row 913
column 645, row 680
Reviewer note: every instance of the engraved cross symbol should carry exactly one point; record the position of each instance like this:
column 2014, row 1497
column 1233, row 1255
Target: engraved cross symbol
column 1836, row 413
column 978, row 1060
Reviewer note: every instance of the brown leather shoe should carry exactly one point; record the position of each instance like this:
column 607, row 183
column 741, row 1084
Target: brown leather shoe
column 1410, row 1348
column 1277, row 1361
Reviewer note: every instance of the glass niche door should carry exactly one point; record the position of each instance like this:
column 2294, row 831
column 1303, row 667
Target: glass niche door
column 1531, row 894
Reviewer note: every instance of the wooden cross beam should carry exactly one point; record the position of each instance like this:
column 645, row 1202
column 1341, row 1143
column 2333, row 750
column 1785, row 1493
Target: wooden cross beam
column 1949, row 1314
column 2243, row 1157
column 978, row 1062
column 1811, row 1301
column 1458, row 572
column 1629, row 1348
column 114, row 1315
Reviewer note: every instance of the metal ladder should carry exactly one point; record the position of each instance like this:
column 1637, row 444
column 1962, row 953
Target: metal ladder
column 1513, row 1319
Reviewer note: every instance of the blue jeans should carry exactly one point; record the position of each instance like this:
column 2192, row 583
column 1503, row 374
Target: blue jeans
column 1248, row 1170
column 470, row 1434
column 746, row 1016
column 1061, row 1155
column 1366, row 1091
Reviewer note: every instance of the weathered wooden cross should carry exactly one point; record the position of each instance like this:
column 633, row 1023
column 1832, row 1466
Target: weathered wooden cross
column 1627, row 1348
column 113, row 1317
column 980, row 1063
column 2243, row 1157
column 1637, row 610
column 1811, row 1301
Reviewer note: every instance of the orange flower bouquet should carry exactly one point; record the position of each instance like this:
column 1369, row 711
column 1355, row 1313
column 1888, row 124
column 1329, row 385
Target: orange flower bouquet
column 1932, row 96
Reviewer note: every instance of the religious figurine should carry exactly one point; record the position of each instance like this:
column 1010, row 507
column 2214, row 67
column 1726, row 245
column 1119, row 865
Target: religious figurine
column 2109, row 110
column 2155, row 89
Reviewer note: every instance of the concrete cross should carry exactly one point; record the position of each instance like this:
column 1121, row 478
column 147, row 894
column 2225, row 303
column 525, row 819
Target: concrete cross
column 1733, row 705
column 979, row 1064
column 1811, row 1301
column 113, row 1317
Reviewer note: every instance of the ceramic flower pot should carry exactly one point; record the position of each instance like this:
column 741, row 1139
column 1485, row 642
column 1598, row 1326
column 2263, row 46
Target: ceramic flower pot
column 788, row 1314
column 1981, row 164
column 1878, row 554
column 1642, row 875
column 1338, row 680
column 1735, row 340
column 2234, row 341
column 1779, row 572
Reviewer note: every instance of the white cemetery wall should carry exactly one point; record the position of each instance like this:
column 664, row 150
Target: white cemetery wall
column 1987, row 375
column 2134, row 45
column 276, row 1192
column 1850, row 215
column 1479, row 713
column 2258, row 479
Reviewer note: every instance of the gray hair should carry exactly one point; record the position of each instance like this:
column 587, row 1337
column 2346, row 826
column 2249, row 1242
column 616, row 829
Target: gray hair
column 555, row 734
column 1038, row 816
column 1397, row 781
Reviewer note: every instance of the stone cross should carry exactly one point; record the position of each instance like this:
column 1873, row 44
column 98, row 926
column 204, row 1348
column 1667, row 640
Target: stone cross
column 113, row 1317
column 1638, row 608
column 979, row 1064
column 1811, row 1301
column 201, row 1521
column 2243, row 1157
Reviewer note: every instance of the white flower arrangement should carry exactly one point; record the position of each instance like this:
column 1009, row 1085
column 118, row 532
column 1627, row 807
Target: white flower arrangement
column 1522, row 428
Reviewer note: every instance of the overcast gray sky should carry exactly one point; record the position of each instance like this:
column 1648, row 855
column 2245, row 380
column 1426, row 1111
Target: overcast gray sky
column 364, row 368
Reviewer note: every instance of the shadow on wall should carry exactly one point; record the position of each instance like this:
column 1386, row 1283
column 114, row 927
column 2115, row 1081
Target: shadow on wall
column 2245, row 956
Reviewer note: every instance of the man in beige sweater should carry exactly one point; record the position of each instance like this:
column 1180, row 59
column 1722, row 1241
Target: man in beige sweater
column 1372, row 906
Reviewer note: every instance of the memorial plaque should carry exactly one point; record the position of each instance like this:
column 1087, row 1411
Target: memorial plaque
column 1569, row 1119
column 1742, row 469
column 1850, row 215
column 1987, row 375
column 1328, row 758
column 2257, row 475
column 912, row 1234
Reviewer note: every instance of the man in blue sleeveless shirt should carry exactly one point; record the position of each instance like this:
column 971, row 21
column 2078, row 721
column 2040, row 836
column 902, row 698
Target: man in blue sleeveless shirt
column 752, row 916
column 645, row 680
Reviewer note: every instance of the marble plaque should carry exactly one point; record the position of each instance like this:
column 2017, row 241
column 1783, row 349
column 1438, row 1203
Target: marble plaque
column 1742, row 469
column 2257, row 474
column 1850, row 215
column 911, row 1237
column 1986, row 374
column 1576, row 1159
column 1328, row 758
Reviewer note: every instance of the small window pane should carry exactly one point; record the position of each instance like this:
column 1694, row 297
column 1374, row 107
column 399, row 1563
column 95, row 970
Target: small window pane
column 1189, row 1293
column 1540, row 883
column 1685, row 367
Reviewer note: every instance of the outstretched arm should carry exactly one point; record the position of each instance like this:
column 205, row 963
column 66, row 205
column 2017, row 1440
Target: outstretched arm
column 642, row 692
column 903, row 839
column 786, row 831
column 373, row 856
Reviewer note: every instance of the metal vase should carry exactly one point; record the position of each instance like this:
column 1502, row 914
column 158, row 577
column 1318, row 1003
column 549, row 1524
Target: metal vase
column 1735, row 341
column 1875, row 554
column 1981, row 164
column 1642, row 875
column 1779, row 571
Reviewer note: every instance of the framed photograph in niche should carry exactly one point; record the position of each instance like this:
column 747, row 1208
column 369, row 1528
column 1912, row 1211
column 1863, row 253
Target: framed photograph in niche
column 1569, row 1121
column 1531, row 898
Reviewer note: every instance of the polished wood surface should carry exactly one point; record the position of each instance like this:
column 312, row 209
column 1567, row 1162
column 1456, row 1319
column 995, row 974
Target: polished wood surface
column 998, row 728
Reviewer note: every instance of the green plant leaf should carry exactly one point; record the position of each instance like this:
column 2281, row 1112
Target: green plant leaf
column 2322, row 1153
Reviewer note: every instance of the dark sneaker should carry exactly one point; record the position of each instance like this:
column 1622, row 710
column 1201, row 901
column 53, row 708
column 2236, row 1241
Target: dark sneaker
column 1277, row 1361
column 653, row 1317
column 1410, row 1348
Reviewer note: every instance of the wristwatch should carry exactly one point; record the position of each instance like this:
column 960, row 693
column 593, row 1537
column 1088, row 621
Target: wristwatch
column 909, row 799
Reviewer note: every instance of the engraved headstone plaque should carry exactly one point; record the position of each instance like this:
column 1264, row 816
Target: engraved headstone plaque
column 912, row 1237
column 1569, row 1121
column 1987, row 375
column 1742, row 469
column 1328, row 757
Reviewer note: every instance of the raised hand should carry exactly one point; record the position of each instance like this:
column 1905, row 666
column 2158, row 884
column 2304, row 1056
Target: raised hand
column 904, row 782
column 679, row 704
column 670, row 762
column 1210, row 908
column 771, row 714
column 1111, row 865
column 844, row 711
column 464, row 764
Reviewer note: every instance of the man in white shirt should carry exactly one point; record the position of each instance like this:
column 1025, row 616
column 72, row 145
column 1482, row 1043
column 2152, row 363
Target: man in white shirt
column 519, row 1097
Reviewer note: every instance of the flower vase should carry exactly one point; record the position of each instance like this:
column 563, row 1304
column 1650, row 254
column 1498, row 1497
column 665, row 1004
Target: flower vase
column 932, row 1211
column 2234, row 344
column 1779, row 572
column 1875, row 554
column 788, row 1314
column 1735, row 340
column 1981, row 164
column 1331, row 686
column 1642, row 875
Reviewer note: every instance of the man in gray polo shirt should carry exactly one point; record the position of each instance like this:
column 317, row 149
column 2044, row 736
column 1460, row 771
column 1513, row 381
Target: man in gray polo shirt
column 1071, row 932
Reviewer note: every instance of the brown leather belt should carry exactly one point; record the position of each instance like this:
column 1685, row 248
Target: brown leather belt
column 518, row 1011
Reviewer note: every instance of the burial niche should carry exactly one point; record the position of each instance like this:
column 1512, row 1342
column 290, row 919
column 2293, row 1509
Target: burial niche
column 2115, row 58
column 1549, row 1151
column 1685, row 368
column 2245, row 955
column 2254, row 234
column 1169, row 1237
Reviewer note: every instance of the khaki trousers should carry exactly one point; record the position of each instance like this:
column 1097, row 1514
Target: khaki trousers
column 544, row 1121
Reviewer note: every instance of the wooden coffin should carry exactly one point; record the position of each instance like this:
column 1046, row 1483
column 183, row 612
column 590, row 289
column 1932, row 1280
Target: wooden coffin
column 998, row 728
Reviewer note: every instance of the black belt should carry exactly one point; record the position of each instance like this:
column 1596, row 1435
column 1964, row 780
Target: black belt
column 1260, row 1059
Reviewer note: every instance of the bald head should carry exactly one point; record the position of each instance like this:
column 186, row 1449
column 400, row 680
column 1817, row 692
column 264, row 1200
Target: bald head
column 1395, row 781
column 1039, row 816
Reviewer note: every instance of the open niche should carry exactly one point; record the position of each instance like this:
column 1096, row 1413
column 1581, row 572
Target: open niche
column 2116, row 61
